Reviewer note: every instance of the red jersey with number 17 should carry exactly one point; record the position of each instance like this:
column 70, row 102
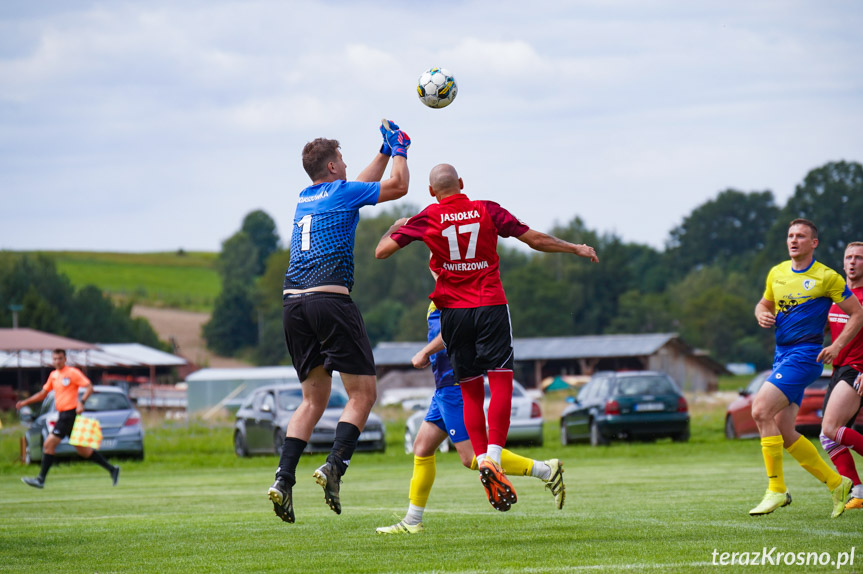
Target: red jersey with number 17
column 852, row 353
column 462, row 236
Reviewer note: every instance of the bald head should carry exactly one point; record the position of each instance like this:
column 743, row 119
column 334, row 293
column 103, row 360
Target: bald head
column 444, row 179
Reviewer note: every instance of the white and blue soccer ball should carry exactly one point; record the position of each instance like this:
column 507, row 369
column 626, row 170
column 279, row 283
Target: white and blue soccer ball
column 437, row 88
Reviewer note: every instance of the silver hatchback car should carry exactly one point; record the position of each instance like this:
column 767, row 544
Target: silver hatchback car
column 122, row 431
column 263, row 417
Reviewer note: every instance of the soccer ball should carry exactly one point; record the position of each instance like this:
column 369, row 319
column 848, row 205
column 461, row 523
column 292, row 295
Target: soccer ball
column 437, row 88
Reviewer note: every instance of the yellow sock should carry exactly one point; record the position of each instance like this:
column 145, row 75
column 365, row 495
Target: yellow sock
column 807, row 455
column 771, row 448
column 422, row 480
column 515, row 465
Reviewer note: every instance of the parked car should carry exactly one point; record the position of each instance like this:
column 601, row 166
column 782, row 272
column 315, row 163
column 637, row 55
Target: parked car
column 263, row 417
column 738, row 417
column 525, row 425
column 626, row 405
column 122, row 432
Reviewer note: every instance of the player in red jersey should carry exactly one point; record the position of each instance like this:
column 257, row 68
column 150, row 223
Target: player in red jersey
column 462, row 236
column 843, row 398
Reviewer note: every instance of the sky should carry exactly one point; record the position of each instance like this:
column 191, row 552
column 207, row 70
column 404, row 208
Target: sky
column 158, row 125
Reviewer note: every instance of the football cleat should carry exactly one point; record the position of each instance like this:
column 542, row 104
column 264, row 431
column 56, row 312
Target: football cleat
column 283, row 503
column 840, row 494
column 555, row 483
column 501, row 494
column 770, row 502
column 854, row 503
column 329, row 479
column 35, row 482
column 115, row 475
column 401, row 528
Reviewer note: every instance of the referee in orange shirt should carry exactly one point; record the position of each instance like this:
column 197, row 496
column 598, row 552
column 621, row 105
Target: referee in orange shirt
column 65, row 381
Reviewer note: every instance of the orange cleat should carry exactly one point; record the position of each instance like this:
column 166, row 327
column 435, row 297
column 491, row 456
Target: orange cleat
column 500, row 492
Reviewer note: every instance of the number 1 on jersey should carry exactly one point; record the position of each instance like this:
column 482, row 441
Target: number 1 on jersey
column 451, row 234
column 305, row 232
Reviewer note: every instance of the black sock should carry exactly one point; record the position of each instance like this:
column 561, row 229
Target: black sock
column 291, row 451
column 100, row 460
column 347, row 436
column 47, row 461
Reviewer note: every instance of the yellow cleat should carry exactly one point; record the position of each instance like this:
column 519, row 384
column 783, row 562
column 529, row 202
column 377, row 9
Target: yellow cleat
column 555, row 483
column 840, row 494
column 401, row 528
column 854, row 503
column 770, row 502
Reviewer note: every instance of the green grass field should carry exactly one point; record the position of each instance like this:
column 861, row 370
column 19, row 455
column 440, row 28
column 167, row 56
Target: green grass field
column 192, row 506
column 188, row 281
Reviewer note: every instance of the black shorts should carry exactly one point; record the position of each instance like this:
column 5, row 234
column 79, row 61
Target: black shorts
column 65, row 422
column 326, row 329
column 477, row 339
column 846, row 374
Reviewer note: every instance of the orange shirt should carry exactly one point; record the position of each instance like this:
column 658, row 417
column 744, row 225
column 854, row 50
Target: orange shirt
column 65, row 382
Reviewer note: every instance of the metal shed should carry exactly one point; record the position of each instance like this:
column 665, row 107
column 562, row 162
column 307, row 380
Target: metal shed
column 210, row 388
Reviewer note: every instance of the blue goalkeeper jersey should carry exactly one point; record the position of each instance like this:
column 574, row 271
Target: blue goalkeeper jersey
column 441, row 367
column 322, row 240
column 803, row 300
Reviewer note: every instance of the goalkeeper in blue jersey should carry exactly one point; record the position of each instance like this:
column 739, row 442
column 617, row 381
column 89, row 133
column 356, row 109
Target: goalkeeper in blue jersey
column 796, row 302
column 445, row 418
column 324, row 330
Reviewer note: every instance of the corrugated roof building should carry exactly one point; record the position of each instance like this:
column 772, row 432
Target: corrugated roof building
column 25, row 358
column 540, row 357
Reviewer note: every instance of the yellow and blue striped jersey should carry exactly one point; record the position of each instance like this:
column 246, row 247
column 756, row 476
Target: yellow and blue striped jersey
column 803, row 300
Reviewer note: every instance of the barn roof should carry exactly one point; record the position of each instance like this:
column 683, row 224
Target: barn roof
column 32, row 340
column 590, row 346
column 29, row 348
column 544, row 348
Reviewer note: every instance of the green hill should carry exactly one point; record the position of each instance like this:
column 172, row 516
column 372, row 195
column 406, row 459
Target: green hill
column 177, row 280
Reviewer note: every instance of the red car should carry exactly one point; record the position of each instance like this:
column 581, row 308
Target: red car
column 740, row 424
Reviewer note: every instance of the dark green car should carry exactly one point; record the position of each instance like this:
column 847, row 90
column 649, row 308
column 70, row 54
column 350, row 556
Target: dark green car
column 629, row 405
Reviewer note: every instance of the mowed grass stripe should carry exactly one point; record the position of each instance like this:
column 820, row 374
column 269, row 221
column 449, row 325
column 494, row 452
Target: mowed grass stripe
column 639, row 507
column 189, row 281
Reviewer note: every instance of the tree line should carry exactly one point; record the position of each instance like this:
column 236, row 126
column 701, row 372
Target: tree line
column 47, row 301
column 704, row 284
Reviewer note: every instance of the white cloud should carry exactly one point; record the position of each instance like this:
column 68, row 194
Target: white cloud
column 625, row 113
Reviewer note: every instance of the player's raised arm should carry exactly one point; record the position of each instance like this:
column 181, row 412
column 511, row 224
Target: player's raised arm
column 375, row 170
column 539, row 241
column 387, row 245
column 398, row 143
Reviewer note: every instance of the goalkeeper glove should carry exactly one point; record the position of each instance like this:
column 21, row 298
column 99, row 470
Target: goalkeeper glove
column 385, row 147
column 398, row 140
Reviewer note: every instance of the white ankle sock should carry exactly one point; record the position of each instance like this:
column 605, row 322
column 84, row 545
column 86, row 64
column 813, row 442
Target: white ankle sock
column 540, row 470
column 414, row 515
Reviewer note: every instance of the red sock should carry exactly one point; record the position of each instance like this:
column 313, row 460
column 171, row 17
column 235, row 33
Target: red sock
column 844, row 463
column 500, row 405
column 473, row 395
column 850, row 438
